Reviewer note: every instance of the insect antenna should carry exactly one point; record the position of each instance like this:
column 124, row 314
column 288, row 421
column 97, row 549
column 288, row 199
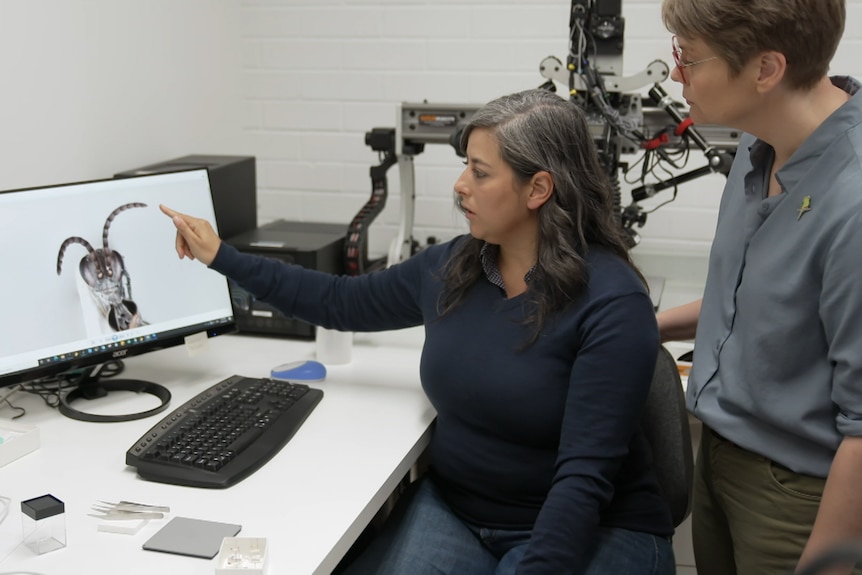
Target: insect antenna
column 113, row 215
column 67, row 243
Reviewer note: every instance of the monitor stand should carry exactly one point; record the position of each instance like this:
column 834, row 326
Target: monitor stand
column 92, row 386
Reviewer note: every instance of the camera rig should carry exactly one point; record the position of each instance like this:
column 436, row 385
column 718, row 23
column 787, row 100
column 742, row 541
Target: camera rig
column 653, row 128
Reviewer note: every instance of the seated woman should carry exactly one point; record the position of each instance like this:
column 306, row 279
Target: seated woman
column 540, row 344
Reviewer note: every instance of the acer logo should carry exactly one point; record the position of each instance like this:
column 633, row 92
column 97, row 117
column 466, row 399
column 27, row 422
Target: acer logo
column 120, row 353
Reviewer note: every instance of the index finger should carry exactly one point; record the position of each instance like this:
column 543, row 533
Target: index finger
column 168, row 212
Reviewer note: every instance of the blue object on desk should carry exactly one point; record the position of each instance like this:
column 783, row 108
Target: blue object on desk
column 306, row 370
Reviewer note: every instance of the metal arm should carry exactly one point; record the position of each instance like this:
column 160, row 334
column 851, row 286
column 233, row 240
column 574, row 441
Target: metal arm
column 719, row 159
column 356, row 244
column 657, row 71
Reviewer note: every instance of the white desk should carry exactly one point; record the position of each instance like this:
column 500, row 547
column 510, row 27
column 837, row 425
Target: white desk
column 311, row 501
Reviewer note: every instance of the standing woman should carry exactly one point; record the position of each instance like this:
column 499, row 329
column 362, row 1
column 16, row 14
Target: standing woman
column 540, row 344
column 777, row 372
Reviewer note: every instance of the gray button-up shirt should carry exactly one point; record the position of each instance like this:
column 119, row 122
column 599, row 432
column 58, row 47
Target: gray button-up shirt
column 778, row 353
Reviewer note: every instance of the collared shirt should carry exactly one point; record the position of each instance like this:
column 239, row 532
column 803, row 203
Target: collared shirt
column 778, row 353
column 489, row 256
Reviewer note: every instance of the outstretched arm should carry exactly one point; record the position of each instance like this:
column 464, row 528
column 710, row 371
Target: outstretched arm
column 196, row 238
column 678, row 323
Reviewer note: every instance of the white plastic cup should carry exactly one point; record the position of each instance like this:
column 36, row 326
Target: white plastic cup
column 334, row 347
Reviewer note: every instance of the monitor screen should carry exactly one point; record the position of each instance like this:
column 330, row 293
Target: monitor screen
column 91, row 274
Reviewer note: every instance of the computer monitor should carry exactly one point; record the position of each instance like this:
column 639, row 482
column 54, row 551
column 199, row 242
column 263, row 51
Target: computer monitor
column 90, row 276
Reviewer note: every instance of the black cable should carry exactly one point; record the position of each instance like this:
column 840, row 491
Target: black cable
column 675, row 188
column 21, row 411
column 51, row 388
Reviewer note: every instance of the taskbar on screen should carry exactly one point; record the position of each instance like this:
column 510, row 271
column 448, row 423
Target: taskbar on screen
column 116, row 342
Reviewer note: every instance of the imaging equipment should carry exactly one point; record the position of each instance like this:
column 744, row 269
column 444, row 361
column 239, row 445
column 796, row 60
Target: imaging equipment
column 94, row 277
column 621, row 121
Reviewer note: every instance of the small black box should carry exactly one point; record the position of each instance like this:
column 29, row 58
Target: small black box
column 233, row 184
column 312, row 245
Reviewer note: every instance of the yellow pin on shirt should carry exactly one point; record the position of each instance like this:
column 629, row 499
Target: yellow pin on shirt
column 805, row 207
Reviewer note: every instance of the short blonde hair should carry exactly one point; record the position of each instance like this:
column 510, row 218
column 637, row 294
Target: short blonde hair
column 807, row 32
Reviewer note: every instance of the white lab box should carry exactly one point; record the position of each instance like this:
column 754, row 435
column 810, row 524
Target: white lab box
column 242, row 556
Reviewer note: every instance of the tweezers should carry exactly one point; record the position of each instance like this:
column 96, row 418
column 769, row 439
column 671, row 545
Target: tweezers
column 134, row 507
column 127, row 510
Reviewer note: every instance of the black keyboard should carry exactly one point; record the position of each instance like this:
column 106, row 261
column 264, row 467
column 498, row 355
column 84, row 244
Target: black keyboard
column 223, row 434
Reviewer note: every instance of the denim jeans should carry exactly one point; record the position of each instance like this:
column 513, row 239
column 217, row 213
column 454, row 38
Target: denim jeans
column 424, row 537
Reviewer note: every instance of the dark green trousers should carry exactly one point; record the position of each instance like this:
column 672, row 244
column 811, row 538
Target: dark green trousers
column 750, row 515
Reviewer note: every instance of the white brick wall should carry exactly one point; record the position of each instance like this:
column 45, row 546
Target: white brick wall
column 318, row 74
column 95, row 87
column 101, row 86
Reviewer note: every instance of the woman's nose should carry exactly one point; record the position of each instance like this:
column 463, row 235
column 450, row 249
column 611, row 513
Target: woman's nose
column 460, row 186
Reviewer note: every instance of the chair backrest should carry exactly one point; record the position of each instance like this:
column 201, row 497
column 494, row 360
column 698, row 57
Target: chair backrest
column 666, row 426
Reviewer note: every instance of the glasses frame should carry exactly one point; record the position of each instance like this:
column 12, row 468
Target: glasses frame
column 677, row 59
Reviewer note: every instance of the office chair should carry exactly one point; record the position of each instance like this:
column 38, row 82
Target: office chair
column 665, row 424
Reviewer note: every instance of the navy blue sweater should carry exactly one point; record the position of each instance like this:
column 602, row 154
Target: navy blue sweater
column 544, row 437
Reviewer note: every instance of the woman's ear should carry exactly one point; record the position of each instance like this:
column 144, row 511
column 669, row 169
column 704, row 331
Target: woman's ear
column 773, row 67
column 541, row 190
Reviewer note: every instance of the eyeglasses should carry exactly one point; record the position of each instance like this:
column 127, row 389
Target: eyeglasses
column 680, row 65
